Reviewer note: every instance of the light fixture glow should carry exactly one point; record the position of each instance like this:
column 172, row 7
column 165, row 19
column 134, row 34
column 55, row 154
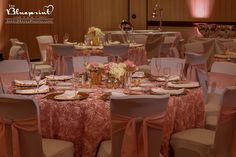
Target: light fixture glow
column 201, row 8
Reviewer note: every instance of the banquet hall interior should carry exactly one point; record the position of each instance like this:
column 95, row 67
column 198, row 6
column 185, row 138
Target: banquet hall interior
column 117, row 78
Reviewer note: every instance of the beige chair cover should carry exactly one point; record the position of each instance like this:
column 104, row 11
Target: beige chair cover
column 224, row 67
column 203, row 80
column 153, row 44
column 18, row 116
column 194, row 62
column 64, row 63
column 11, row 70
column 119, row 52
column 44, row 41
column 143, row 112
column 20, row 134
column 206, row 143
column 167, row 62
column 78, row 62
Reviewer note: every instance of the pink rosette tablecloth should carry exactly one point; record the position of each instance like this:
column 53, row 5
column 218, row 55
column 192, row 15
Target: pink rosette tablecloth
column 86, row 123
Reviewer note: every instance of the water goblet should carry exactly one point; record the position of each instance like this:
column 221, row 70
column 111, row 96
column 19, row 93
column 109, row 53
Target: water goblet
column 66, row 37
column 37, row 77
column 157, row 66
column 166, row 73
column 55, row 38
column 180, row 68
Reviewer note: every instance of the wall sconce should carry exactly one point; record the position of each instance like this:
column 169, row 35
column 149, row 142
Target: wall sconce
column 201, row 8
column 158, row 13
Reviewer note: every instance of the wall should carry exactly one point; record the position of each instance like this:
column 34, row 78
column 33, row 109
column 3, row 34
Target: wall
column 75, row 16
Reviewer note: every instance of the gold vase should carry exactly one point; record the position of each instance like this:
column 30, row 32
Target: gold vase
column 95, row 41
column 96, row 77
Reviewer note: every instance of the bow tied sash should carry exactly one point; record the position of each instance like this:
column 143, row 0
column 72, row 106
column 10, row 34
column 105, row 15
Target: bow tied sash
column 27, row 124
column 132, row 146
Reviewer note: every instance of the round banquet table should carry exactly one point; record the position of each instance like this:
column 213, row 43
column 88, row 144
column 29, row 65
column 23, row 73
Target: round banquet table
column 86, row 122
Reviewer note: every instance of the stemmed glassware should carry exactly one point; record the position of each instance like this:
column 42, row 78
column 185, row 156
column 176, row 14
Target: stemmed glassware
column 180, row 68
column 37, row 77
column 166, row 73
column 66, row 37
column 157, row 66
column 55, row 37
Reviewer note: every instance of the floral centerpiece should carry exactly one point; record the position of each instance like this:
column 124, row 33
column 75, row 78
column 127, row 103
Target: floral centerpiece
column 130, row 66
column 95, row 71
column 95, row 35
column 115, row 70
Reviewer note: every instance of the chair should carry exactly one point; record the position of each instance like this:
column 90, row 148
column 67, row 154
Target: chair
column 78, row 62
column 117, row 51
column 11, row 70
column 194, row 61
column 221, row 76
column 168, row 45
column 166, row 62
column 153, row 44
column 206, row 143
column 19, row 120
column 13, row 40
column 145, row 113
column 44, row 41
column 65, row 52
column 17, row 53
column 140, row 38
column 224, row 67
column 205, row 48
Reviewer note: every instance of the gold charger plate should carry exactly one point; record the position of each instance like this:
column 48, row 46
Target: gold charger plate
column 79, row 96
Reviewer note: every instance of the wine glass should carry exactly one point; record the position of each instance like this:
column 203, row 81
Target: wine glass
column 109, row 39
column 180, row 68
column 158, row 66
column 55, row 38
column 66, row 37
column 37, row 77
column 166, row 73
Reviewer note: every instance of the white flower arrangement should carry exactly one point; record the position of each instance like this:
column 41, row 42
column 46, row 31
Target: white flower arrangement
column 116, row 70
column 95, row 32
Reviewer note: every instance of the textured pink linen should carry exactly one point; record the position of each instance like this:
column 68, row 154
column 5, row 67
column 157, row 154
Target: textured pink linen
column 28, row 124
column 86, row 123
column 220, row 80
column 130, row 145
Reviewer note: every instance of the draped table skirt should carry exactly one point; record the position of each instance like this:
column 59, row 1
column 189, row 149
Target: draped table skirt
column 86, row 123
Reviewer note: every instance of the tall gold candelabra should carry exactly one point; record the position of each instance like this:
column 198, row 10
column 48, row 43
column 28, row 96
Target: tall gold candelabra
column 158, row 13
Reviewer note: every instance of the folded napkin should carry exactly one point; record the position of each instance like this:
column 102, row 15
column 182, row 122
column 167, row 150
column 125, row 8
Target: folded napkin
column 117, row 93
column 68, row 94
column 29, row 82
column 70, row 43
column 135, row 45
column 183, row 85
column 167, row 91
column 86, row 90
column 59, row 77
column 138, row 74
column 40, row 90
column 137, row 89
column 114, row 43
column 171, row 78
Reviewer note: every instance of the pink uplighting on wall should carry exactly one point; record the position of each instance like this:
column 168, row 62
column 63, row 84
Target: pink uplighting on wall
column 201, row 8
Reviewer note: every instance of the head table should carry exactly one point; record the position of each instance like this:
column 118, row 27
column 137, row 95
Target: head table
column 86, row 122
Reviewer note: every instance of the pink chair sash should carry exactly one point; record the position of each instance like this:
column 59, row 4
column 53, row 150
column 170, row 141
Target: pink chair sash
column 192, row 71
column 226, row 114
column 28, row 124
column 130, row 146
